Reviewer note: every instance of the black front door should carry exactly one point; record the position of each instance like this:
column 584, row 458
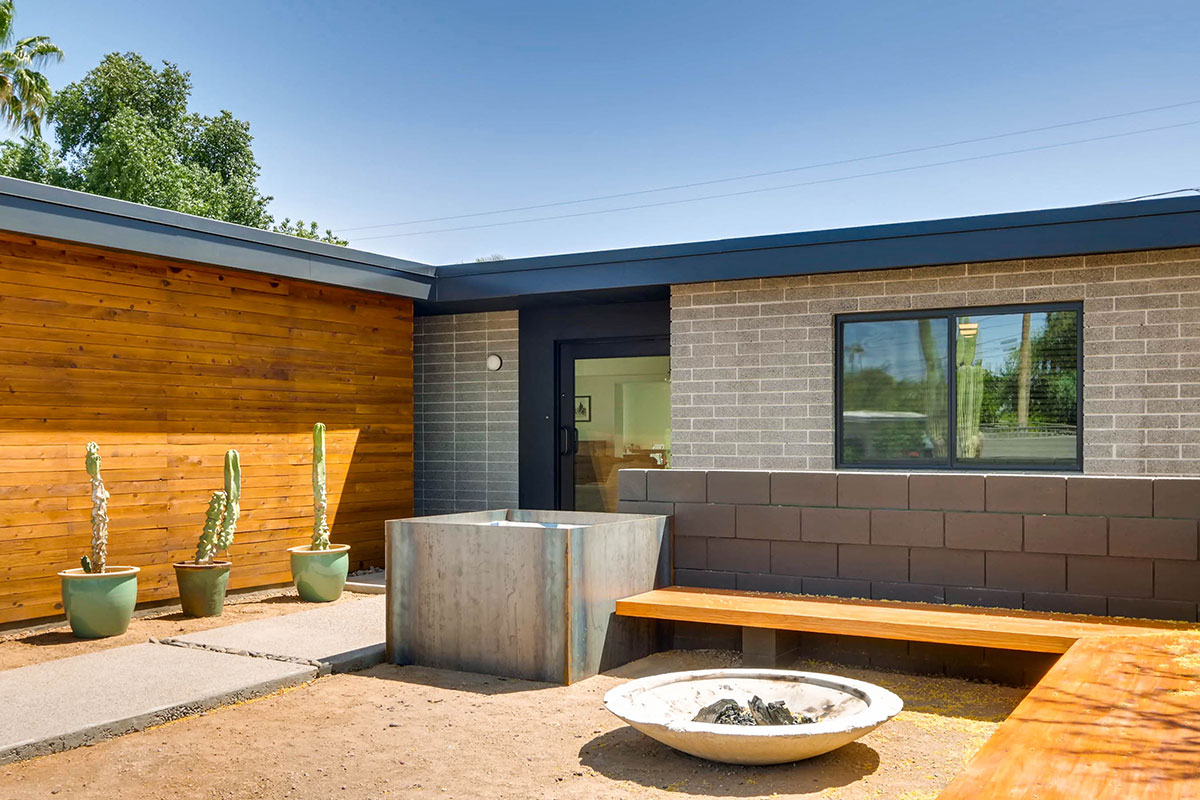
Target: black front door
column 613, row 412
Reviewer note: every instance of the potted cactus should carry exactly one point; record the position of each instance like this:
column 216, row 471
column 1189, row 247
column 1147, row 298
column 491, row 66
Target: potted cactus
column 202, row 583
column 98, row 598
column 319, row 569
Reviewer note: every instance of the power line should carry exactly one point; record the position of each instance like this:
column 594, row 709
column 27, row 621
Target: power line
column 750, row 176
column 788, row 185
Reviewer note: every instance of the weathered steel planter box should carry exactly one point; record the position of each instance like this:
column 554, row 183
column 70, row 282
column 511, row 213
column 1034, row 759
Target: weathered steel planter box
column 524, row 594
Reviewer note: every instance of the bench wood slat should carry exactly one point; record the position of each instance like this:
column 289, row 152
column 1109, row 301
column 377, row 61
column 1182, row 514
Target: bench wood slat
column 1015, row 630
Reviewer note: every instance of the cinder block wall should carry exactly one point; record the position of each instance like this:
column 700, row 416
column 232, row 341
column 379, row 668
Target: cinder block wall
column 465, row 417
column 1094, row 545
column 752, row 361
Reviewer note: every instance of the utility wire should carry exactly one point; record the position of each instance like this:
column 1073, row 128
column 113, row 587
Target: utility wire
column 841, row 162
column 788, row 185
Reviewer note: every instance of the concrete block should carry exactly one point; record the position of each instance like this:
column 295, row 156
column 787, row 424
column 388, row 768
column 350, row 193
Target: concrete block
column 739, row 555
column 1063, row 534
column 758, row 582
column 908, row 592
column 984, row 598
column 691, row 552
column 1103, row 575
column 1095, row 605
column 913, row 528
column 1152, row 538
column 768, row 522
column 1143, row 608
column 1130, row 497
column 1177, row 580
column 804, row 488
column 946, row 567
column 1026, row 572
column 677, row 485
column 837, row 587
column 969, row 531
column 705, row 579
column 811, row 559
column 872, row 490
column 631, row 484
column 849, row 525
column 872, row 562
column 945, row 492
column 59, row 705
column 703, row 519
column 1177, row 497
column 1029, row 494
column 739, row 487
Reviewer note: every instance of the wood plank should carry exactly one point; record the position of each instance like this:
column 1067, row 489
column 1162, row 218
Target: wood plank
column 1041, row 633
column 1117, row 718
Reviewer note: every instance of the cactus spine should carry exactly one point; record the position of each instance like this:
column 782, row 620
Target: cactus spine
column 233, row 495
column 320, row 536
column 99, row 559
column 207, row 546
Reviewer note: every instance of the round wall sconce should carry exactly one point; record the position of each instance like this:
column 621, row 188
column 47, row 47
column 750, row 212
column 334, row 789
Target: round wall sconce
column 493, row 362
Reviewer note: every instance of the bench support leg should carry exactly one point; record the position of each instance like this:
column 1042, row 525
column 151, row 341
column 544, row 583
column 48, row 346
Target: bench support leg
column 763, row 647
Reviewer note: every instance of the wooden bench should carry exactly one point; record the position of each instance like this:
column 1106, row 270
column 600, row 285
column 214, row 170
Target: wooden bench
column 1116, row 718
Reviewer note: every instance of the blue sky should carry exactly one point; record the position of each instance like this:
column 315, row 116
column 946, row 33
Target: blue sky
column 369, row 113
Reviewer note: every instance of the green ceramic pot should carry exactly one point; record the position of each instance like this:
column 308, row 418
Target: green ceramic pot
column 101, row 603
column 319, row 575
column 202, row 587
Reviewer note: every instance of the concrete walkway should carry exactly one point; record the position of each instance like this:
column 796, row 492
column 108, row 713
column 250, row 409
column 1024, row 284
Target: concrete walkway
column 59, row 705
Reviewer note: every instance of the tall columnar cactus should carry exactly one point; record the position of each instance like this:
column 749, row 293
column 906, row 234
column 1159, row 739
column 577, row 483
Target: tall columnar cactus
column 206, row 548
column 99, row 559
column 320, row 536
column 233, row 494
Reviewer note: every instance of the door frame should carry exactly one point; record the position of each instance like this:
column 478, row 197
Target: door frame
column 566, row 434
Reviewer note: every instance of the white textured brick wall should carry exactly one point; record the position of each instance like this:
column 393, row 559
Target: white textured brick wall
column 752, row 361
column 465, row 417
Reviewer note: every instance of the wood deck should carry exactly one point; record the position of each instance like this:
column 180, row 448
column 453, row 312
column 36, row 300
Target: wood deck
column 1116, row 718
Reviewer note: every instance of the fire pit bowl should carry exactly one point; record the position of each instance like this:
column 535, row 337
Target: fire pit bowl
column 662, row 707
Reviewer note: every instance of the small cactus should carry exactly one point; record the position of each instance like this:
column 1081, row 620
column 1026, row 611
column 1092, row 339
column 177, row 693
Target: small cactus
column 233, row 494
column 206, row 548
column 99, row 559
column 320, row 536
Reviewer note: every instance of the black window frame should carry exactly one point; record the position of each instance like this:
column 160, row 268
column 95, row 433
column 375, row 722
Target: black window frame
column 950, row 314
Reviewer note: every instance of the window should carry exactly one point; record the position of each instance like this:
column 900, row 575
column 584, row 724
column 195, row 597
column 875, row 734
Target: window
column 981, row 388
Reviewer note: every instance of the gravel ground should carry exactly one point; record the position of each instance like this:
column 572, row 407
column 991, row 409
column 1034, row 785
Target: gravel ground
column 419, row 732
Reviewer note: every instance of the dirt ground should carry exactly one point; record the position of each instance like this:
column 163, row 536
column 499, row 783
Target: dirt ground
column 46, row 643
column 419, row 732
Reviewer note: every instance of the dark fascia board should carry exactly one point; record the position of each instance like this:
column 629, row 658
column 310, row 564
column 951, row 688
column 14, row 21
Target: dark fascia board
column 40, row 211
column 1108, row 228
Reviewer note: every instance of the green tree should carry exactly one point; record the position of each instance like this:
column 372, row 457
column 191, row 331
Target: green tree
column 124, row 131
column 24, row 91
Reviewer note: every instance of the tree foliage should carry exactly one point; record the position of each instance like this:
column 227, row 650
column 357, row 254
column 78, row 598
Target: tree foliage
column 24, row 91
column 124, row 130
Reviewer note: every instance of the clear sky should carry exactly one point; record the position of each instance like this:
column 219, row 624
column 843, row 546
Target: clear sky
column 369, row 112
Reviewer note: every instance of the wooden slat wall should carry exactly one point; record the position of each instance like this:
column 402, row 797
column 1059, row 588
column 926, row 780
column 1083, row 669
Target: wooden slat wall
column 167, row 365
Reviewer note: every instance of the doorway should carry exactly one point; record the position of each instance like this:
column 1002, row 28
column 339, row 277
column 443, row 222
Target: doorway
column 614, row 412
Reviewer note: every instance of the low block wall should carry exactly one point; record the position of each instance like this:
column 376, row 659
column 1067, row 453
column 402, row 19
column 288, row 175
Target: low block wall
column 1094, row 545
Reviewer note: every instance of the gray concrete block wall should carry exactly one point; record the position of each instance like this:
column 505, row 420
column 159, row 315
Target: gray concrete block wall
column 465, row 417
column 752, row 362
column 1121, row 546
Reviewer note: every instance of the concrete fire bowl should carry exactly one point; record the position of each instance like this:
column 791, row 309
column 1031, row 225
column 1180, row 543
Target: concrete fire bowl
column 662, row 707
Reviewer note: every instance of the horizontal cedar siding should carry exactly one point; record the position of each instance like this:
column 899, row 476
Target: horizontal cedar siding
column 166, row 365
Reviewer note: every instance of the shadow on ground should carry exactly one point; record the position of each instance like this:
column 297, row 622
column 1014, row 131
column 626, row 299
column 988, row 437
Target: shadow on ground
column 627, row 755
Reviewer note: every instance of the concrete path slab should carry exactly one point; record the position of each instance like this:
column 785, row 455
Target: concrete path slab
column 58, row 705
column 340, row 638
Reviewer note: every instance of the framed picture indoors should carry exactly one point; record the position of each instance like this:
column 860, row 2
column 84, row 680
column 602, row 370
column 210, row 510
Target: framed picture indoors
column 583, row 408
